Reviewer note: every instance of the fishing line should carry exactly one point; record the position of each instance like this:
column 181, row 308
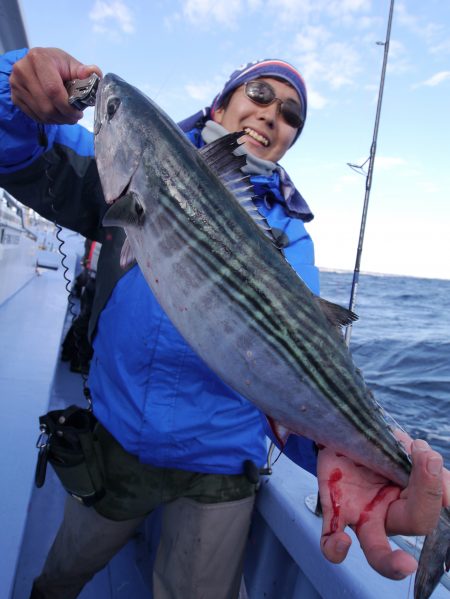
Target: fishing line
column 411, row 580
column 278, row 457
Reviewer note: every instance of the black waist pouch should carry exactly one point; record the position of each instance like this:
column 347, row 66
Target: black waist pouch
column 69, row 443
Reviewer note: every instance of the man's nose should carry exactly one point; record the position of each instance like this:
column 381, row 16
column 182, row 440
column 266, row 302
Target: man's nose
column 269, row 113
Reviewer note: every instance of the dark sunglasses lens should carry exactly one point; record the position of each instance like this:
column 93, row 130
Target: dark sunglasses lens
column 260, row 92
column 291, row 113
column 263, row 93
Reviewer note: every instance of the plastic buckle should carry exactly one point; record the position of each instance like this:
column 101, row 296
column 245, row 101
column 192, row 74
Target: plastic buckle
column 43, row 439
column 41, row 466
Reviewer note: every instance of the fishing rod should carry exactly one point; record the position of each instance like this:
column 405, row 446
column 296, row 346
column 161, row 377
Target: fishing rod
column 370, row 160
column 356, row 271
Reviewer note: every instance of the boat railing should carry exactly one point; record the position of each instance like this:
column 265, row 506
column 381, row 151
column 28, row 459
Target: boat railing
column 284, row 557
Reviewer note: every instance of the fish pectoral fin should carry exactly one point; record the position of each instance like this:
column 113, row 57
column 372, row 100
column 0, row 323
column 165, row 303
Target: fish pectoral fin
column 337, row 315
column 280, row 432
column 127, row 211
column 127, row 256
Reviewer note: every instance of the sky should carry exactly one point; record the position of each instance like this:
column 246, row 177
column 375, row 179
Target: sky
column 180, row 52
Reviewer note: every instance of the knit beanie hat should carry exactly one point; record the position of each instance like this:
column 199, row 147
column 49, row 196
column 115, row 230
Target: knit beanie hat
column 268, row 67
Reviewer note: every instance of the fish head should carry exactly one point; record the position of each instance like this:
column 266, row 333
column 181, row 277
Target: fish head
column 118, row 135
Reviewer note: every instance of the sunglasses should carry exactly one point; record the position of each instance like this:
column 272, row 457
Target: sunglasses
column 262, row 93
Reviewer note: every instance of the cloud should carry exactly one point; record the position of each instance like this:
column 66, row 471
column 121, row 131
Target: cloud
column 431, row 187
column 224, row 12
column 389, row 162
column 316, row 100
column 312, row 38
column 433, row 34
column 204, row 92
column 345, row 182
column 437, row 79
column 337, row 64
column 308, row 11
column 398, row 61
column 111, row 11
column 287, row 12
column 442, row 47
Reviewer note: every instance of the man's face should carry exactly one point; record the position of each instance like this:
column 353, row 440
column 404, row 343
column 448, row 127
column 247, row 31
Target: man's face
column 269, row 136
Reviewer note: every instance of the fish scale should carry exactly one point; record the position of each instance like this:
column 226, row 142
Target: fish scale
column 273, row 316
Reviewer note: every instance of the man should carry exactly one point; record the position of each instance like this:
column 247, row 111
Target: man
column 171, row 431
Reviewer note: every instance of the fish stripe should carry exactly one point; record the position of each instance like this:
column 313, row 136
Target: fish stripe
column 268, row 320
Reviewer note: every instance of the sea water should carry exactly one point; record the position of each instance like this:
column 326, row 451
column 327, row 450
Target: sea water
column 401, row 342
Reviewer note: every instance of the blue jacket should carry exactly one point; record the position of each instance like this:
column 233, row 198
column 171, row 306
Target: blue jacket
column 149, row 389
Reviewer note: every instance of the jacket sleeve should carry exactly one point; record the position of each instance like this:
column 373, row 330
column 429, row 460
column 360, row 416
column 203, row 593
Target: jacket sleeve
column 49, row 168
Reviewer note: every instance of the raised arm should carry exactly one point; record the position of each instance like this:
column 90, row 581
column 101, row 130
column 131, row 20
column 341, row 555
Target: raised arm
column 37, row 85
column 46, row 161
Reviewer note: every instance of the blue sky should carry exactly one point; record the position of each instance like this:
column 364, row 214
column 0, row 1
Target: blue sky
column 180, row 52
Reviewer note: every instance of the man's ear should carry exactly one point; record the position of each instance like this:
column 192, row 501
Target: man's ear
column 218, row 115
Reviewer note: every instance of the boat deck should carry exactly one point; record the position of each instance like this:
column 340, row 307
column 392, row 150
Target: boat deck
column 121, row 578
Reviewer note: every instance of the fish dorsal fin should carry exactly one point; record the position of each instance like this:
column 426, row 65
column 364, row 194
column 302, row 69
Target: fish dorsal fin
column 127, row 211
column 337, row 315
column 219, row 156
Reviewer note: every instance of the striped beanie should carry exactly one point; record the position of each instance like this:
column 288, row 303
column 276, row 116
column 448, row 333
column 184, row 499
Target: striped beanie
column 268, row 67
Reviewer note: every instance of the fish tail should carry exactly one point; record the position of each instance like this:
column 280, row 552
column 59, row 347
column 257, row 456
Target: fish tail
column 434, row 558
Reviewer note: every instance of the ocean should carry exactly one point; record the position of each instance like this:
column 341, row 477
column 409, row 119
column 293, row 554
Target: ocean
column 401, row 342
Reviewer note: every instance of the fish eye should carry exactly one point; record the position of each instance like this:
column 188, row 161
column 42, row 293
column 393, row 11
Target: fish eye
column 111, row 107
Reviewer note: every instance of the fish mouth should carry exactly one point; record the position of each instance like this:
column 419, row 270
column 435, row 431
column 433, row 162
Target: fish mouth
column 262, row 139
column 112, row 199
column 123, row 193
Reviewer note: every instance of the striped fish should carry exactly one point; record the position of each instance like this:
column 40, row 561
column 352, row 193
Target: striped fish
column 191, row 226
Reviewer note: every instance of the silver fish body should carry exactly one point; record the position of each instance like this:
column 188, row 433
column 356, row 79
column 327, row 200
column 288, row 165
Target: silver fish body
column 229, row 290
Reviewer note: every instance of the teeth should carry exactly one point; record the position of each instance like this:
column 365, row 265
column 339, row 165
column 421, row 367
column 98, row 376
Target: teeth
column 257, row 136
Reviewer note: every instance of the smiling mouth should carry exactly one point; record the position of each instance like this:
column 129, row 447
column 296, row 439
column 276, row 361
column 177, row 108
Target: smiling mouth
column 257, row 136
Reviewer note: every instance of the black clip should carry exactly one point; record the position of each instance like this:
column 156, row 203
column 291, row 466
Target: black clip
column 44, row 447
column 82, row 92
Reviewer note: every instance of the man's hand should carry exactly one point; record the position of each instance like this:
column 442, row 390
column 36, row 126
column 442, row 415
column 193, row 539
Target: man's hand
column 37, row 85
column 375, row 508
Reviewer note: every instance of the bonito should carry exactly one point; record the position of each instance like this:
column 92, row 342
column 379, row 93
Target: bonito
column 233, row 296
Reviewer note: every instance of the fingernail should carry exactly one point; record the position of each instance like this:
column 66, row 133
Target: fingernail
column 434, row 466
column 420, row 445
column 447, row 494
column 341, row 546
column 400, row 575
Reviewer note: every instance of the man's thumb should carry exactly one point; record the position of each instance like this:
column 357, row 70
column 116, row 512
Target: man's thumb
column 83, row 71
